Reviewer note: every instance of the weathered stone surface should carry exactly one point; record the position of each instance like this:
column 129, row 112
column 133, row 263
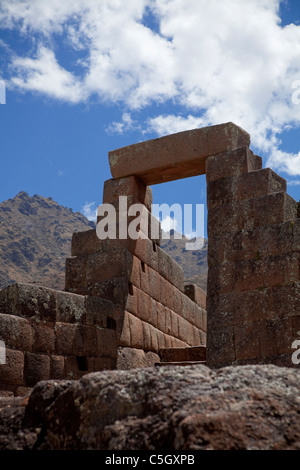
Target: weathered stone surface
column 130, row 358
column 174, row 408
column 232, row 163
column 258, row 212
column 197, row 353
column 16, row 332
column 36, row 368
column 176, row 156
column 130, row 186
column 243, row 187
column 28, row 300
column 43, row 336
column 196, row 294
column 12, row 373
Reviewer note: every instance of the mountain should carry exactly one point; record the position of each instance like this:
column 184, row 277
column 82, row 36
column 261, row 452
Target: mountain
column 193, row 262
column 35, row 240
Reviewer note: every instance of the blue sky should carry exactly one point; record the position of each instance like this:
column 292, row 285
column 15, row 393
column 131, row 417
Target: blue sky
column 86, row 77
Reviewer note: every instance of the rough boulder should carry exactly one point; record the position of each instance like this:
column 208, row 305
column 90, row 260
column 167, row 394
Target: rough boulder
column 166, row 408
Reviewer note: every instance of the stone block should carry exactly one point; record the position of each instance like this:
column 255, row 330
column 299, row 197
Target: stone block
column 130, row 186
column 15, row 332
column 204, row 320
column 75, row 275
column 115, row 289
column 185, row 331
column 170, row 270
column 155, row 285
column 197, row 336
column 221, row 279
column 276, row 337
column 258, row 212
column 220, row 346
column 254, row 274
column 43, row 336
column 147, row 336
column 191, row 312
column 70, row 308
column 144, row 307
column 151, row 254
column 129, row 217
column 134, row 269
column 177, row 300
column 136, row 332
column 231, row 163
column 98, row 311
column 85, row 243
column 57, row 367
column 256, row 243
column 145, row 277
column 106, row 343
column 12, row 372
column 125, row 335
column 168, row 315
column 176, row 156
column 168, row 341
column 36, row 368
column 237, row 308
column 131, row 301
column 76, row 367
column 103, row 363
column 284, row 300
column 153, row 312
column 166, row 293
column 172, row 354
column 174, row 325
column 68, row 339
column 161, row 339
column 28, row 300
column 245, row 186
column 247, row 340
column 108, row 264
column 196, row 294
column 90, row 339
column 75, row 340
column 183, row 354
column 161, row 317
column 154, row 338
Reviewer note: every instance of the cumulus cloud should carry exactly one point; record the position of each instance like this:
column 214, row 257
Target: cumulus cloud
column 215, row 61
column 119, row 127
column 43, row 74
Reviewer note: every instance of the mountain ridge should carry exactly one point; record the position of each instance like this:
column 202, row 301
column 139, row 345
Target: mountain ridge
column 35, row 240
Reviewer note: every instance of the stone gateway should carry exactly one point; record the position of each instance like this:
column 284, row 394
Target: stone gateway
column 125, row 302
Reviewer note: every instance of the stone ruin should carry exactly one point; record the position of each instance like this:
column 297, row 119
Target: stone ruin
column 125, row 303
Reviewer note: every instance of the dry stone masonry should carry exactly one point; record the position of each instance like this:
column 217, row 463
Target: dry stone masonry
column 152, row 310
column 125, row 303
column 253, row 258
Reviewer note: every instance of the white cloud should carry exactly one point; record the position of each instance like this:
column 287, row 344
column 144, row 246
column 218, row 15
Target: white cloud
column 43, row 74
column 89, row 210
column 168, row 224
column 168, row 124
column 216, row 61
column 294, row 183
column 119, row 127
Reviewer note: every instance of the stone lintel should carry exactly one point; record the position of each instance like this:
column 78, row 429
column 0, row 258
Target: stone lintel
column 176, row 156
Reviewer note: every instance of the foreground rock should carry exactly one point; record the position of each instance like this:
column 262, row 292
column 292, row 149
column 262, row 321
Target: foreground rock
column 190, row 408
